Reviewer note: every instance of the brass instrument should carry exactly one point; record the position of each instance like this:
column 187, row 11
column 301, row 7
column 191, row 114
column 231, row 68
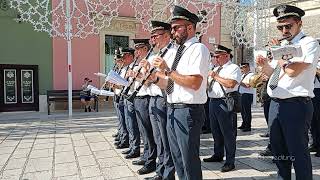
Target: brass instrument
column 151, row 71
column 318, row 71
column 256, row 80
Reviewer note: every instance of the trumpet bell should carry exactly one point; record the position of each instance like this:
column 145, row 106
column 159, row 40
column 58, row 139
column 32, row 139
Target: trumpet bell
column 256, row 80
column 318, row 71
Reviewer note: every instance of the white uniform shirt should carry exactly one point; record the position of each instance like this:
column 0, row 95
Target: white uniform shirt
column 122, row 74
column 247, row 90
column 316, row 80
column 130, row 79
column 153, row 89
column 303, row 84
column 194, row 61
column 144, row 89
column 228, row 71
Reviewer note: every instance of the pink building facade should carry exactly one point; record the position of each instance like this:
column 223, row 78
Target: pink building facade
column 91, row 55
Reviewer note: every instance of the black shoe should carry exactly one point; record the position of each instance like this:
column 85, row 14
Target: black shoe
column 139, row 162
column 116, row 143
column 241, row 127
column 146, row 170
column 115, row 135
column 227, row 167
column 132, row 155
column 246, row 129
column 126, row 151
column 85, row 109
column 213, row 159
column 117, row 139
column 206, row 131
column 264, row 135
column 122, row 146
column 266, row 152
column 156, row 177
column 89, row 109
column 312, row 148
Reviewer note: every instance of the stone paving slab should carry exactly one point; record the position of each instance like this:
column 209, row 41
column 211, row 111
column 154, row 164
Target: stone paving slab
column 34, row 146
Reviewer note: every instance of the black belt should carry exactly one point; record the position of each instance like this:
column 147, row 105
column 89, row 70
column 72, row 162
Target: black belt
column 142, row 97
column 293, row 99
column 182, row 105
column 217, row 99
column 157, row 96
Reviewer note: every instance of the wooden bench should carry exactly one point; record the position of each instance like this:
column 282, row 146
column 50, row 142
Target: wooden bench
column 62, row 96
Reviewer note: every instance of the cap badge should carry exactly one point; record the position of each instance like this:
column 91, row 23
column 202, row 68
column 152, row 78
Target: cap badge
column 281, row 10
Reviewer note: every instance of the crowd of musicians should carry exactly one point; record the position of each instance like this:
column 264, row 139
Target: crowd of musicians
column 172, row 76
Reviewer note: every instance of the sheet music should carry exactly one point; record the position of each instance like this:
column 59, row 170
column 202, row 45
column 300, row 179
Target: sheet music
column 293, row 51
column 100, row 92
column 115, row 78
column 100, row 74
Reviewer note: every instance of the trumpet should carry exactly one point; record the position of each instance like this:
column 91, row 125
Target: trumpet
column 125, row 91
column 151, row 71
column 256, row 80
column 318, row 71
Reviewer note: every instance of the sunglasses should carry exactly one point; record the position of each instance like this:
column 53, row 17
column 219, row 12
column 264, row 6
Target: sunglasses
column 156, row 35
column 287, row 26
column 217, row 56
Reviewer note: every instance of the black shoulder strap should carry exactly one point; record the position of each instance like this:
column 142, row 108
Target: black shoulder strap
column 242, row 80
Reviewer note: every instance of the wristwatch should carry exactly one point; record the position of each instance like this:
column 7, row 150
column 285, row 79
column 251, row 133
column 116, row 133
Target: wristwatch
column 155, row 81
column 286, row 64
column 167, row 72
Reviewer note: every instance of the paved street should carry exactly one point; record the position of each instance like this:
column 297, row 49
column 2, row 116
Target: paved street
column 34, row 146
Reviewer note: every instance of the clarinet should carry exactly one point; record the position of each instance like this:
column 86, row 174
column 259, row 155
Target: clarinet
column 161, row 54
column 126, row 89
column 118, row 97
column 211, row 82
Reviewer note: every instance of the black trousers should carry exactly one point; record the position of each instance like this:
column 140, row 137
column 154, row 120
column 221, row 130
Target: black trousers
column 289, row 121
column 223, row 128
column 141, row 105
column 158, row 118
column 184, row 127
column 246, row 101
column 315, row 123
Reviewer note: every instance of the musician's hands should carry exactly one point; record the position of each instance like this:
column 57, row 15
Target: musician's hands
column 130, row 73
column 160, row 63
column 261, row 61
column 281, row 62
column 213, row 74
column 274, row 42
column 145, row 64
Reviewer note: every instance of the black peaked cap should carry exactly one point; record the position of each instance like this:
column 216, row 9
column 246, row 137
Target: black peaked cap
column 285, row 11
column 182, row 13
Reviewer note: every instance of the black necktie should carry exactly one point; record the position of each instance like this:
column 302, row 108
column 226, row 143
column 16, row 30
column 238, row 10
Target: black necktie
column 275, row 78
column 174, row 67
column 213, row 80
column 276, row 73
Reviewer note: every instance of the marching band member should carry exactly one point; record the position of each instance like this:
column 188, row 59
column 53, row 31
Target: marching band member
column 186, row 93
column 246, row 97
column 315, row 123
column 223, row 123
column 141, row 105
column 291, row 88
column 130, row 116
column 119, row 104
column 160, row 34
